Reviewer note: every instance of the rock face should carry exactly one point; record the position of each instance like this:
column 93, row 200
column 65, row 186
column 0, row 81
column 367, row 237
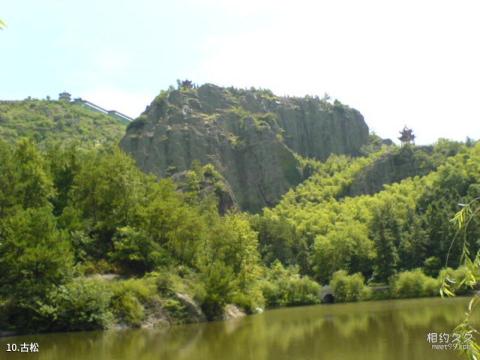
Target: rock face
column 252, row 137
column 231, row 312
column 194, row 311
column 393, row 167
column 209, row 182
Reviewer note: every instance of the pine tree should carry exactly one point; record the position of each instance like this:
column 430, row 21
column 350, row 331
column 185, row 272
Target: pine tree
column 383, row 234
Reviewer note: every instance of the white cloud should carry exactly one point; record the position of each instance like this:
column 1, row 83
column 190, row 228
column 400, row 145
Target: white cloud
column 111, row 62
column 238, row 8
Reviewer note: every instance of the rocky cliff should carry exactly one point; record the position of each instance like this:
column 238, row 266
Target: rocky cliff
column 253, row 138
column 392, row 167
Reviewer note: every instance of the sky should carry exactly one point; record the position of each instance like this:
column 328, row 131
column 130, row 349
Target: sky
column 414, row 63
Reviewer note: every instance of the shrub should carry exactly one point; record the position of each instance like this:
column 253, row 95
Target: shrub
column 431, row 266
column 301, row 290
column 250, row 301
column 137, row 124
column 180, row 279
column 349, row 287
column 92, row 267
column 414, row 283
column 135, row 252
column 128, row 309
column 285, row 287
column 82, row 304
column 176, row 310
column 172, row 285
column 130, row 298
column 431, row 287
column 220, row 284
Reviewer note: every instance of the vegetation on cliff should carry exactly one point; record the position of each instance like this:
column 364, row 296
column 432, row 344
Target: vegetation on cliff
column 256, row 140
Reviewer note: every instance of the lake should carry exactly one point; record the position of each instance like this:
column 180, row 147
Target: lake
column 393, row 329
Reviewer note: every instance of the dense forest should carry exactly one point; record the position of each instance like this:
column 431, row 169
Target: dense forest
column 404, row 226
column 89, row 241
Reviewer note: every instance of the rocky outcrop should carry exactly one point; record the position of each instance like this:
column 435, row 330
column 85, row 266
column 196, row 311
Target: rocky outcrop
column 195, row 313
column 231, row 312
column 252, row 137
column 206, row 181
column 394, row 166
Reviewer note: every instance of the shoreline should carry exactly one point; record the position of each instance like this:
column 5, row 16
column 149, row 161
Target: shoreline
column 123, row 327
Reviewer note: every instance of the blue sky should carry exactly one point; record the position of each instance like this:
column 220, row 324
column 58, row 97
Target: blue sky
column 398, row 62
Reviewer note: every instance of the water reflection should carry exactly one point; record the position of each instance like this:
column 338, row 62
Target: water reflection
column 371, row 330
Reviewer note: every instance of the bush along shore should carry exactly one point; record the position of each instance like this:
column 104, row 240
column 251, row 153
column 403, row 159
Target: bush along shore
column 177, row 296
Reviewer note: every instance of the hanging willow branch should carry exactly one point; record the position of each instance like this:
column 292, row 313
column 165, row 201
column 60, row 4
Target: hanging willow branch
column 462, row 220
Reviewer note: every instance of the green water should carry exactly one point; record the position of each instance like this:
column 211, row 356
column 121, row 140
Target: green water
column 391, row 330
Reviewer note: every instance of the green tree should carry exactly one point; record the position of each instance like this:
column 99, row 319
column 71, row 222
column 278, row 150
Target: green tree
column 413, row 244
column 107, row 190
column 170, row 222
column 136, row 253
column 64, row 162
column 228, row 261
column 34, row 185
column 346, row 246
column 8, row 179
column 384, row 230
column 34, row 258
column 278, row 239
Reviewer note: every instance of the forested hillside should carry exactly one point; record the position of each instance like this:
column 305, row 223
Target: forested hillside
column 68, row 213
column 404, row 226
column 57, row 121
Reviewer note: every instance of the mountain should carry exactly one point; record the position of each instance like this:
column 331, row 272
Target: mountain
column 47, row 120
column 97, row 243
column 256, row 140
